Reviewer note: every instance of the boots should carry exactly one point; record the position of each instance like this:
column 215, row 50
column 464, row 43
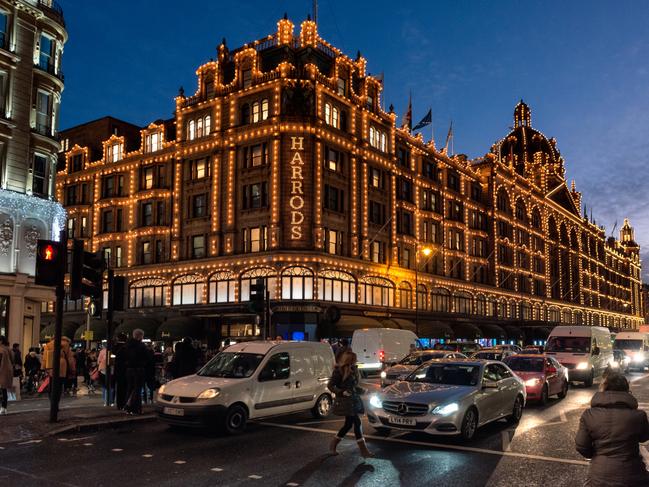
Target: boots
column 333, row 445
column 365, row 453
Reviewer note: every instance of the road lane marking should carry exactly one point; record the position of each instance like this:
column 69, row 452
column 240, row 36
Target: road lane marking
column 75, row 439
column 117, row 449
column 147, row 455
column 216, row 469
column 180, row 462
column 322, row 421
column 292, row 484
column 30, row 441
column 564, row 418
column 255, row 477
column 439, row 446
column 87, row 444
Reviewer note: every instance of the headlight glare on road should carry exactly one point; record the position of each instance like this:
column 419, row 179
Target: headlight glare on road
column 209, row 393
column 446, row 409
column 532, row 382
column 582, row 365
column 375, row 401
column 383, row 374
column 638, row 357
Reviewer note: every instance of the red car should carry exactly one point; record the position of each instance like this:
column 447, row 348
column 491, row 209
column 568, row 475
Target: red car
column 543, row 376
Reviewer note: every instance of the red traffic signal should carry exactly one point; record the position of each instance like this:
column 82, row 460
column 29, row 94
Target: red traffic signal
column 48, row 252
column 50, row 263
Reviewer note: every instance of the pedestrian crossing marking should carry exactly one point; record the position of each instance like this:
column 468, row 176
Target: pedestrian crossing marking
column 255, row 477
column 180, row 462
column 117, row 449
column 147, row 455
column 216, row 469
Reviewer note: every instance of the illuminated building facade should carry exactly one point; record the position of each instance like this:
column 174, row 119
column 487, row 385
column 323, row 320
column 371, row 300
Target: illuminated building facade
column 32, row 36
column 283, row 166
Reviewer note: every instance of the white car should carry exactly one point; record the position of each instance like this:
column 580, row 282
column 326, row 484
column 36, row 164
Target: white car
column 492, row 354
column 509, row 347
column 411, row 362
column 378, row 347
column 251, row 380
column 449, row 397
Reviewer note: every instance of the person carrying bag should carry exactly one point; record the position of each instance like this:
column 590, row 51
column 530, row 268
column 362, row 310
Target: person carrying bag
column 347, row 402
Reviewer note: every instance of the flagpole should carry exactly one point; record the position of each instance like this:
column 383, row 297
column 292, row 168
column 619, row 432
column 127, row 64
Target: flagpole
column 432, row 127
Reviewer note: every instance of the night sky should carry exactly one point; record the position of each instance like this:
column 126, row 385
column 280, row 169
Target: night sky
column 580, row 65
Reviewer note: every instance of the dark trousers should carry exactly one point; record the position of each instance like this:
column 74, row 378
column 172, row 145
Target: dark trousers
column 4, row 397
column 121, row 390
column 350, row 421
column 135, row 380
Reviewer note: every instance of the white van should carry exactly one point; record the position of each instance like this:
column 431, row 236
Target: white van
column 584, row 350
column 251, row 380
column 635, row 345
column 375, row 347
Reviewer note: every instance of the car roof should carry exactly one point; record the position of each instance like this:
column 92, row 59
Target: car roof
column 530, row 355
column 464, row 361
column 264, row 346
column 490, row 350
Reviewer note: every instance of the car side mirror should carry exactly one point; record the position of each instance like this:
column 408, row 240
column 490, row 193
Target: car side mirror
column 489, row 384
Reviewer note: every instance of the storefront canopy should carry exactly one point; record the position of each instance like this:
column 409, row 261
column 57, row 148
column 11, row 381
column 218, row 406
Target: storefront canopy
column 494, row 332
column 435, row 329
column 67, row 330
column 514, row 333
column 179, row 327
column 348, row 323
column 147, row 325
column 466, row 331
column 399, row 323
column 97, row 327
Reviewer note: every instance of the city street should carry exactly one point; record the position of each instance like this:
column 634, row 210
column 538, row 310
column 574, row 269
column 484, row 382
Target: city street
column 293, row 451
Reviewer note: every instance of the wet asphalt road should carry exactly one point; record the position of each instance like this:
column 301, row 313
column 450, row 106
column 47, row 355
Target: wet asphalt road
column 292, row 451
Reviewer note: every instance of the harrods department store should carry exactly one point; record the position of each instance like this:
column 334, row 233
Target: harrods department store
column 284, row 165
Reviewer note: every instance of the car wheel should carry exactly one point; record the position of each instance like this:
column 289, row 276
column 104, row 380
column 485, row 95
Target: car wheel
column 589, row 381
column 544, row 396
column 469, row 424
column 235, row 420
column 517, row 411
column 322, row 407
column 564, row 390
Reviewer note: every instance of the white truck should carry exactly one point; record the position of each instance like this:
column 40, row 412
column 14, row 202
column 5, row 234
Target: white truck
column 376, row 347
column 635, row 345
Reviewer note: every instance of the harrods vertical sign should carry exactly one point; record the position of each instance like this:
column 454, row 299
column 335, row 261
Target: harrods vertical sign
column 297, row 191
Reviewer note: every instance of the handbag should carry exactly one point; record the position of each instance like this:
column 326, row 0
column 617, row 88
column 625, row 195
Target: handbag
column 44, row 384
column 94, row 374
column 343, row 405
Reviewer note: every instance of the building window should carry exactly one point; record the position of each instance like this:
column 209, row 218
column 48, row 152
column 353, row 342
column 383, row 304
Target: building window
column 160, row 213
column 336, row 286
column 4, row 33
column 199, row 127
column 403, row 157
column 456, row 268
column 255, row 155
column 148, row 174
column 453, row 180
column 77, row 162
column 430, row 170
column 502, row 201
column 118, row 220
column 404, row 257
column 114, row 152
column 118, row 256
column 376, row 291
column 376, row 178
column 333, row 242
column 377, row 213
column 84, row 226
column 378, row 139
column 146, row 218
column 159, row 256
column 199, row 206
column 332, row 115
column 188, row 290
column 107, row 221
column 146, row 255
column 404, row 189
column 199, row 169
column 221, row 288
column 255, row 239
column 479, row 247
column 334, row 160
column 44, row 112
column 250, row 277
column 255, row 196
column 377, row 252
column 405, row 222
column 71, row 195
column 476, row 192
column 153, row 142
column 147, row 293
column 334, row 199
column 456, row 239
column 246, row 77
column 341, row 87
column 71, row 225
column 441, row 300
column 456, row 211
column 430, row 200
column 462, row 303
column 260, row 111
column 198, row 246
column 297, row 283
column 405, row 295
column 106, row 253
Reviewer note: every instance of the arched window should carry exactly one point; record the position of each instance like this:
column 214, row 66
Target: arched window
column 536, row 219
column 297, row 283
column 421, row 296
column 376, row 291
column 208, row 125
column 188, row 290
column 462, row 303
column 256, row 112
column 336, row 286
column 502, row 201
column 265, row 111
column 566, row 316
column 245, row 114
column 481, row 305
column 199, row 128
column 335, row 117
column 574, row 241
column 521, row 211
column 552, row 229
column 502, row 308
column 267, row 274
column 405, row 295
column 492, row 308
column 564, row 235
column 221, row 288
column 536, row 312
column 441, row 300
column 526, row 311
column 513, row 309
column 554, row 314
column 579, row 318
column 147, row 293
column 191, row 130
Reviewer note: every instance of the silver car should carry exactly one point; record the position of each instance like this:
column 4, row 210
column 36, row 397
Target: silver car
column 449, row 397
column 408, row 364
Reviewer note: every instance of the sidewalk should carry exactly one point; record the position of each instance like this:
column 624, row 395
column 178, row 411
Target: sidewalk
column 29, row 419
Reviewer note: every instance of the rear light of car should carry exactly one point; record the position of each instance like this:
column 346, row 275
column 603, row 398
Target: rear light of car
column 381, row 355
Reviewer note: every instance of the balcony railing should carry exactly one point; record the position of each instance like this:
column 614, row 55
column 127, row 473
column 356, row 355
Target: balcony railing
column 53, row 10
column 50, row 68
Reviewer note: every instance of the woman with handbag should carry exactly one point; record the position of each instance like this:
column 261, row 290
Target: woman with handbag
column 348, row 402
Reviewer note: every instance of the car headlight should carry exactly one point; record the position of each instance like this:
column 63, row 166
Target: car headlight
column 375, row 401
column 209, row 393
column 383, row 374
column 446, row 409
column 161, row 389
column 532, row 382
column 582, row 365
column 638, row 357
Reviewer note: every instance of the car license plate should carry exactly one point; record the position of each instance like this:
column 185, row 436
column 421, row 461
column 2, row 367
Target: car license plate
column 174, row 411
column 402, row 421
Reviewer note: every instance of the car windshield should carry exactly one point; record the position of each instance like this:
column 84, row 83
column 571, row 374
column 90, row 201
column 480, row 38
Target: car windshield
column 525, row 364
column 488, row 355
column 232, row 365
column 419, row 358
column 568, row 344
column 451, row 374
column 627, row 344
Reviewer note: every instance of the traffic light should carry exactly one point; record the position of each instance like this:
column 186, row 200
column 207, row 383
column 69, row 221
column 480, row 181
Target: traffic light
column 86, row 275
column 119, row 288
column 94, row 307
column 258, row 295
column 50, row 263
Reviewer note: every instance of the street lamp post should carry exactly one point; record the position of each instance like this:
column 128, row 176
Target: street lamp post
column 427, row 251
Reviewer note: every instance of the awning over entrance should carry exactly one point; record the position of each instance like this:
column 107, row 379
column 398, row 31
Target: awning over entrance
column 466, row 331
column 399, row 323
column 435, row 329
column 514, row 333
column 538, row 333
column 147, row 325
column 493, row 331
column 179, row 327
column 348, row 323
column 67, row 330
column 97, row 327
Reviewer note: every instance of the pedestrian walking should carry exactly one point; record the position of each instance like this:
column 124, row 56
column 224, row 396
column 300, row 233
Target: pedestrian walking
column 119, row 371
column 136, row 365
column 609, row 434
column 348, row 403
column 32, row 368
column 343, row 347
column 82, row 370
column 6, row 374
column 185, row 359
column 103, row 363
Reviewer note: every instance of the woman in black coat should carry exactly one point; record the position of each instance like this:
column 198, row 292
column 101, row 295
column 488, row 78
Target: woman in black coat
column 609, row 433
column 348, row 403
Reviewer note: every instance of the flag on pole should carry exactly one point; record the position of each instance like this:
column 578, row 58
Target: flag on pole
column 448, row 136
column 407, row 118
column 427, row 120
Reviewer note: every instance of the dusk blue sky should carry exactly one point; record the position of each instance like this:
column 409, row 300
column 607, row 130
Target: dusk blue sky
column 581, row 65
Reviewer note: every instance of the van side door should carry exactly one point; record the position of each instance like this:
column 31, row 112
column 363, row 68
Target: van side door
column 303, row 378
column 273, row 392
